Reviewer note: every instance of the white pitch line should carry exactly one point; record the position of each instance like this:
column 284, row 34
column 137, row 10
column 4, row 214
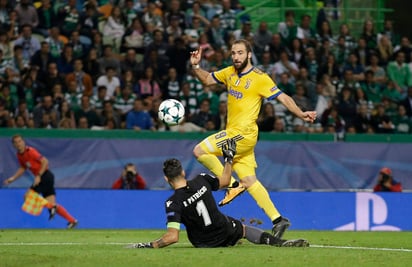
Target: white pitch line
column 127, row 243
column 59, row 244
column 363, row 248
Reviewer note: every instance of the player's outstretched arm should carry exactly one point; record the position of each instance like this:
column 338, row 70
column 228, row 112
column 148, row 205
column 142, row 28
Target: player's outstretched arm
column 229, row 152
column 290, row 104
column 170, row 237
column 205, row 77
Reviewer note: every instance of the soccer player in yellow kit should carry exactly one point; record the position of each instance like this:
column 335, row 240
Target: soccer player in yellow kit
column 247, row 86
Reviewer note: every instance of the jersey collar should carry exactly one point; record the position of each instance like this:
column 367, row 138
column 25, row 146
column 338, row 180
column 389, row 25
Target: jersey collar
column 244, row 73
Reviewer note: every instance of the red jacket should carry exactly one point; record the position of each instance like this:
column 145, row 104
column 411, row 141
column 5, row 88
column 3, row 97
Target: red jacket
column 395, row 187
column 138, row 183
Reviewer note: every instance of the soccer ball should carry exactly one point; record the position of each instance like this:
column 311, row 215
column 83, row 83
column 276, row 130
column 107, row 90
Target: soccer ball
column 171, row 112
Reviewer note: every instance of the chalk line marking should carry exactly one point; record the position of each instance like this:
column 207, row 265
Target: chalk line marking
column 183, row 244
column 362, row 248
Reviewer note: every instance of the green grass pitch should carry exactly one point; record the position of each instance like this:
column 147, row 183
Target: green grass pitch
column 75, row 248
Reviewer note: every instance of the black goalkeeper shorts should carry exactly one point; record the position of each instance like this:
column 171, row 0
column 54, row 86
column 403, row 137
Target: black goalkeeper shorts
column 46, row 185
column 235, row 232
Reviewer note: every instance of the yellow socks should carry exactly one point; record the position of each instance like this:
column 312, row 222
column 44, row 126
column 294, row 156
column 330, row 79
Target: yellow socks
column 261, row 195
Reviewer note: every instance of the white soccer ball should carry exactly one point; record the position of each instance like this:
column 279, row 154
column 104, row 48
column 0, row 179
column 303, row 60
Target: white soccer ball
column 171, row 112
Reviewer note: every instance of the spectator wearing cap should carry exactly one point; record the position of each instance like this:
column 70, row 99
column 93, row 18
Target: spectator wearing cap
column 386, row 183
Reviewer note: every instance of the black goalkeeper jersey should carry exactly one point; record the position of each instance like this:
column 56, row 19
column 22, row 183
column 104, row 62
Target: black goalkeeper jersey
column 195, row 207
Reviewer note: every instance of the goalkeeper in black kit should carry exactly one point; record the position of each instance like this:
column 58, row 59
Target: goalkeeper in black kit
column 193, row 205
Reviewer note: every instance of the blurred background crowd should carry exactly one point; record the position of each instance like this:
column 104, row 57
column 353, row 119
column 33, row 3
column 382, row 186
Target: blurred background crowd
column 109, row 64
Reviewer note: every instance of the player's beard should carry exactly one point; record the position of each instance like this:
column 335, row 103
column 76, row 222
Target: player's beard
column 242, row 65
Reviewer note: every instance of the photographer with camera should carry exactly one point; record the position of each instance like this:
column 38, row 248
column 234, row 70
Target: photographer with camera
column 130, row 179
column 386, row 183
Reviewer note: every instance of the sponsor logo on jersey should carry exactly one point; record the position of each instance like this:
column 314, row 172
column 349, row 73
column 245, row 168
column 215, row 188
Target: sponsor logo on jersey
column 236, row 94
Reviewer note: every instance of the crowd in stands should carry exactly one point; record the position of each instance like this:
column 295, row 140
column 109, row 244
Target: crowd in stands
column 108, row 65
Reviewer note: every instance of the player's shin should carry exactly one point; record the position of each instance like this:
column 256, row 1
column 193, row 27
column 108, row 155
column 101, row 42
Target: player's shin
column 258, row 236
column 253, row 234
column 262, row 198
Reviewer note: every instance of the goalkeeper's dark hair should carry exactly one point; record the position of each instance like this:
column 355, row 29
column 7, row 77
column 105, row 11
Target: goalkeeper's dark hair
column 172, row 168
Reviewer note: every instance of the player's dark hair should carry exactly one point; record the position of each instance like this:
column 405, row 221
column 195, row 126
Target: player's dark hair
column 246, row 43
column 172, row 168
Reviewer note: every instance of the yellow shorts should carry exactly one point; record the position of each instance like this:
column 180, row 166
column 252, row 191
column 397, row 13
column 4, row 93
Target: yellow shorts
column 244, row 163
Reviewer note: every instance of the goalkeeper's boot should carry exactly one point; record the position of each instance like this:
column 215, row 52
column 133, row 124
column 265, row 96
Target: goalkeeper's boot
column 295, row 243
column 269, row 239
column 72, row 224
column 232, row 193
column 280, row 226
column 52, row 212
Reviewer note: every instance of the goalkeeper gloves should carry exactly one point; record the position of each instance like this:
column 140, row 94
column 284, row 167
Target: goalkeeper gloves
column 141, row 245
column 229, row 150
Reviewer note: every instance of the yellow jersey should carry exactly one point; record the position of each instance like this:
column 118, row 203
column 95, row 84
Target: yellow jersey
column 245, row 94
